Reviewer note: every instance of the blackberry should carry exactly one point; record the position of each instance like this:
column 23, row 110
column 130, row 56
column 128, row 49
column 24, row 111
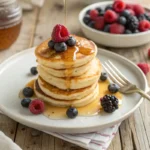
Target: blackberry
column 141, row 17
column 109, row 103
column 132, row 23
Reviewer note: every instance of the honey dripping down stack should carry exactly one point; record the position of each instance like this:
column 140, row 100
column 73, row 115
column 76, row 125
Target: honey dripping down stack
column 68, row 70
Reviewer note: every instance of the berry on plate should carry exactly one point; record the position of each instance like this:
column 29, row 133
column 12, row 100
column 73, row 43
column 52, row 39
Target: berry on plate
column 103, row 76
column 60, row 33
column 113, row 88
column 99, row 23
column 119, row 6
column 60, row 47
column 93, row 14
column 110, row 16
column 36, row 106
column 71, row 41
column 138, row 9
column 34, row 71
column 109, row 103
column 72, row 112
column 25, row 102
column 28, row 92
column 144, row 67
column 144, row 25
column 116, row 28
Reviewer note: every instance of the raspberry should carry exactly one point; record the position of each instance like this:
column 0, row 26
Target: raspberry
column 99, row 23
column 36, row 106
column 116, row 28
column 130, row 6
column 93, row 14
column 149, row 53
column 60, row 33
column 119, row 5
column 110, row 16
column 144, row 67
column 144, row 25
column 138, row 9
column 131, row 12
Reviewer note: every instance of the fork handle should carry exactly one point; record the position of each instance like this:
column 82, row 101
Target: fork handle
column 143, row 94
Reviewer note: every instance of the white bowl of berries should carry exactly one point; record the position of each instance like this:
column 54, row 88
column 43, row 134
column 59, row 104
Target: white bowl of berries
column 116, row 24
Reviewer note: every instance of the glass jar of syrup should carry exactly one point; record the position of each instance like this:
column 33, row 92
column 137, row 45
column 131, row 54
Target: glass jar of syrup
column 10, row 22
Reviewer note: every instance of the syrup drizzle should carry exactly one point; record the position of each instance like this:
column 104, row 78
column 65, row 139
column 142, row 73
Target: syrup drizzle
column 91, row 109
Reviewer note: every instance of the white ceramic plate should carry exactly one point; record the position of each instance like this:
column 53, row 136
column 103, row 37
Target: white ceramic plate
column 112, row 40
column 14, row 74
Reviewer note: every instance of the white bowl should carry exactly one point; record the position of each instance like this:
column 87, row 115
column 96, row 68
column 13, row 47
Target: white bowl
column 112, row 40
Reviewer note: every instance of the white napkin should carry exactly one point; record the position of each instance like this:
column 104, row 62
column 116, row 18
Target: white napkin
column 7, row 144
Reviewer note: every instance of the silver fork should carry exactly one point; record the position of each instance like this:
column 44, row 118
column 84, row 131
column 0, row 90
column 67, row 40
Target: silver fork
column 125, row 85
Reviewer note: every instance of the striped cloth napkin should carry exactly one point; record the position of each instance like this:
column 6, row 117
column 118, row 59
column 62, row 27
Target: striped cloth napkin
column 99, row 140
column 92, row 141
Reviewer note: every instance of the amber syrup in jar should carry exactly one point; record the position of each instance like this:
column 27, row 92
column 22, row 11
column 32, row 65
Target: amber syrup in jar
column 10, row 22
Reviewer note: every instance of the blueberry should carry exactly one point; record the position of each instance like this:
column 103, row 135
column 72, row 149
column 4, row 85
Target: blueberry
column 71, row 41
column 136, row 31
column 103, row 76
column 109, row 7
column 141, row 17
column 113, row 88
column 122, row 20
column 91, row 24
column 60, row 47
column 25, row 102
column 99, row 9
column 127, row 31
column 88, row 11
column 126, row 13
column 28, row 92
column 72, row 112
column 107, row 28
column 102, row 13
column 33, row 70
column 51, row 44
column 86, row 19
column 147, row 16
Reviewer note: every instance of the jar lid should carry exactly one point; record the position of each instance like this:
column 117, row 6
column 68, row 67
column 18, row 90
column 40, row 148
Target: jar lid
column 10, row 12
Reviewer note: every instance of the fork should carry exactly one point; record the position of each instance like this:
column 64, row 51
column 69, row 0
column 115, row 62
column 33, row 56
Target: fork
column 125, row 85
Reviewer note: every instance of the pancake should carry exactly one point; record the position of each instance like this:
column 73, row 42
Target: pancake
column 67, row 72
column 85, row 80
column 64, row 94
column 63, row 103
column 80, row 54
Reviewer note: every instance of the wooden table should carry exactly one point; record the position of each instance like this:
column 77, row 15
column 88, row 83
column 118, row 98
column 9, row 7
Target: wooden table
column 133, row 134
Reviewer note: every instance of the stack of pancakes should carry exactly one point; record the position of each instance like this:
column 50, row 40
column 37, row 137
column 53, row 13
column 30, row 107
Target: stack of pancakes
column 68, row 78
